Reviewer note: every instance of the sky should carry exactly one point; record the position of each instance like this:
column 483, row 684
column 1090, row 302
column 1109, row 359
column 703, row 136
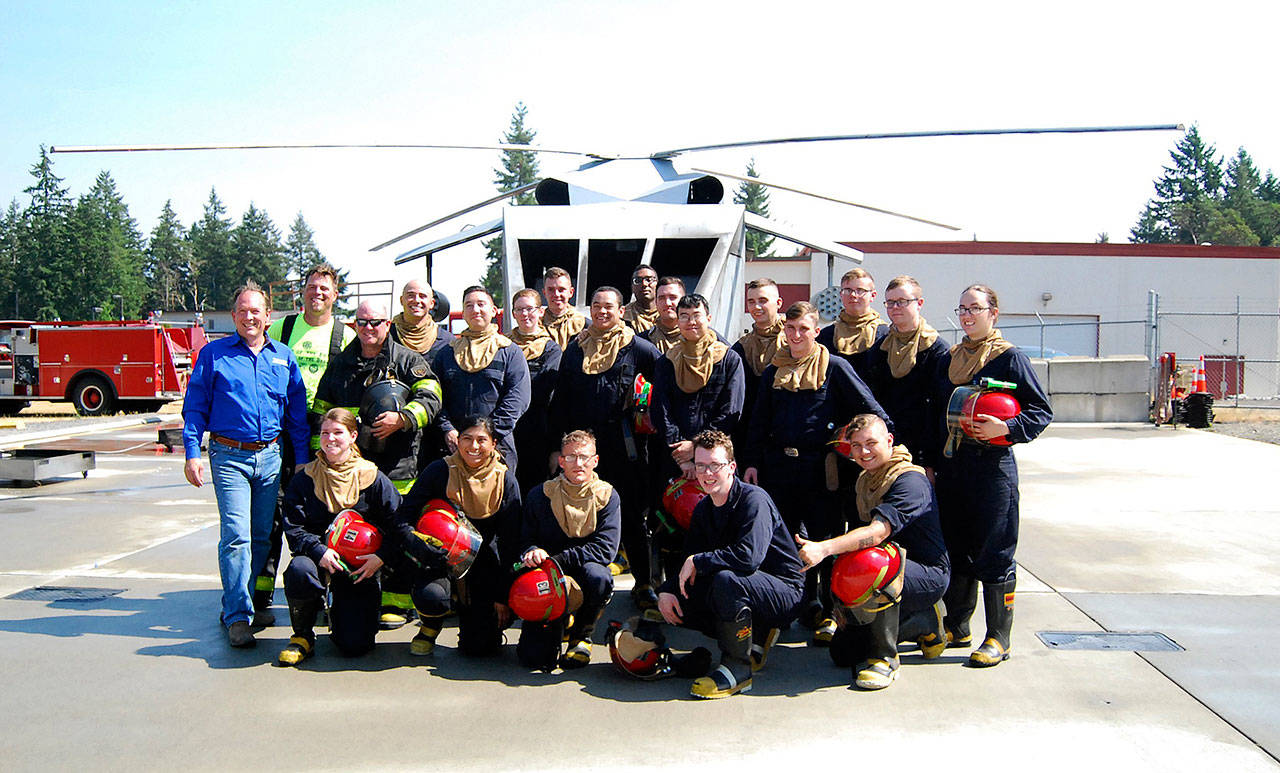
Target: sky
column 632, row 77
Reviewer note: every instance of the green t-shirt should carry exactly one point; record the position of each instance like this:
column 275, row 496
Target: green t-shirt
column 311, row 346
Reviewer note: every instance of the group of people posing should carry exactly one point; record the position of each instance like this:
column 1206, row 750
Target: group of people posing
column 557, row 440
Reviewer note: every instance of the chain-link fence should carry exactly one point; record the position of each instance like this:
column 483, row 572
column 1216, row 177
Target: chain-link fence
column 1240, row 345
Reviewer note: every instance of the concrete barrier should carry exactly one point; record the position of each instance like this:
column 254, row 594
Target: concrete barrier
column 1096, row 388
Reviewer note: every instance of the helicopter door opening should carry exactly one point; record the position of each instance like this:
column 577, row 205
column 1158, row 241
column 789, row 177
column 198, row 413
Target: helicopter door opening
column 684, row 258
column 611, row 261
column 538, row 255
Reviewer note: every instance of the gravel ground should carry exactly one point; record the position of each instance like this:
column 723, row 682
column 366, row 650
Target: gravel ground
column 1265, row 431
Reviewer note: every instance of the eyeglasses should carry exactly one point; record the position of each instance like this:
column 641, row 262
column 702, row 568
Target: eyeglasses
column 965, row 311
column 858, row 292
column 577, row 458
column 711, row 467
column 369, row 322
column 644, row 280
column 902, row 304
column 524, row 309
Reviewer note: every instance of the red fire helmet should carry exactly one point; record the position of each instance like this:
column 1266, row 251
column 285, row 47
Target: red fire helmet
column 680, row 498
column 638, row 649
column 444, row 527
column 1002, row 405
column 350, row 536
column 857, row 576
column 538, row 594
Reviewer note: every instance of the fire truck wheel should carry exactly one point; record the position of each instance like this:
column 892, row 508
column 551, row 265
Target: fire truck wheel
column 92, row 396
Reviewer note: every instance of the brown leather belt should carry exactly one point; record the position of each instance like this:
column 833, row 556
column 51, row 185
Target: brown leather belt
column 226, row 441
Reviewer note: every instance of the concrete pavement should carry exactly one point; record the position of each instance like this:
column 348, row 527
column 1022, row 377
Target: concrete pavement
column 1125, row 527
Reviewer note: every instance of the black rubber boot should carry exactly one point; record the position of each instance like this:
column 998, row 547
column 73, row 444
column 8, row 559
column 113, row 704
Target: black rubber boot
column 578, row 648
column 733, row 675
column 881, row 666
column 302, row 645
column 924, row 628
column 960, row 599
column 997, row 600
column 538, row 647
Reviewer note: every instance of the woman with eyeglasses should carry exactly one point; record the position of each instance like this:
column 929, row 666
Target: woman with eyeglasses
column 901, row 368
column 478, row 485
column 978, row 486
column 542, row 355
column 859, row 328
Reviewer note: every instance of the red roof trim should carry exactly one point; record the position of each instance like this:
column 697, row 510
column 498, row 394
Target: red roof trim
column 1067, row 248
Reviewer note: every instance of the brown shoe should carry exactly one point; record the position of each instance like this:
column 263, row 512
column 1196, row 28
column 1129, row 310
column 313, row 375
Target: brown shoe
column 239, row 634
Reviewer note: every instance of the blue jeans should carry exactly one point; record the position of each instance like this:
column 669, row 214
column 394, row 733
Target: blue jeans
column 245, row 484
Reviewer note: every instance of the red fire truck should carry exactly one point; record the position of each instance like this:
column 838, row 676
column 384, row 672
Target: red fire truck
column 99, row 366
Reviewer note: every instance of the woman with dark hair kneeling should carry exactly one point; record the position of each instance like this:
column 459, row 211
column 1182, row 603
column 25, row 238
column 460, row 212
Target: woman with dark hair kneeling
column 338, row 479
column 574, row 519
column 478, row 485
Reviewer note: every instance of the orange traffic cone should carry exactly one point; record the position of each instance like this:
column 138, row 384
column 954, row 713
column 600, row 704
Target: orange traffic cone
column 1200, row 382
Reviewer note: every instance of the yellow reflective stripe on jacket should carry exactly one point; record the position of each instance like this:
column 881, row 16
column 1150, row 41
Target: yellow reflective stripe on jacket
column 403, row 486
column 429, row 384
column 265, row 584
column 397, row 600
column 418, row 413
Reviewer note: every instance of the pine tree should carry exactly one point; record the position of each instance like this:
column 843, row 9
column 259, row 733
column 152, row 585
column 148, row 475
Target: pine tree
column 756, row 198
column 106, row 255
column 1244, row 193
column 519, row 168
column 168, row 268
column 214, row 255
column 1186, row 195
column 42, row 275
column 11, row 231
column 258, row 252
column 300, row 249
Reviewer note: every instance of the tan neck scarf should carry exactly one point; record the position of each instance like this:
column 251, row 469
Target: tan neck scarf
column 760, row 346
column 532, row 345
column 809, row 372
column 856, row 334
column 338, row 486
column 474, row 351
column 968, row 357
column 478, row 492
column 419, row 337
column 903, row 347
column 694, row 361
column 600, row 347
column 664, row 339
column 576, row 507
column 563, row 328
column 640, row 319
column 872, row 485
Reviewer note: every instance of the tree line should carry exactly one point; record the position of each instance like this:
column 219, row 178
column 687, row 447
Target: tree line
column 1200, row 200
column 85, row 258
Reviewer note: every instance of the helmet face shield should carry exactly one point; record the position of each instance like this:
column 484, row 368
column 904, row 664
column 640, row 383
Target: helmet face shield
column 638, row 649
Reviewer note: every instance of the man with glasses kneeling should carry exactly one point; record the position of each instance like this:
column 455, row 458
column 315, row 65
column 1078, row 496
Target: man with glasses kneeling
column 742, row 581
column 395, row 394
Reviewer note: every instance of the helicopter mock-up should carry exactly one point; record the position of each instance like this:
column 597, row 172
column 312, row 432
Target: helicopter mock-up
column 616, row 212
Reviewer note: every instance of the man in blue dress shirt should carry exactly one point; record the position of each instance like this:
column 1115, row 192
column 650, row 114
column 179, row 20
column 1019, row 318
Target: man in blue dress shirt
column 244, row 390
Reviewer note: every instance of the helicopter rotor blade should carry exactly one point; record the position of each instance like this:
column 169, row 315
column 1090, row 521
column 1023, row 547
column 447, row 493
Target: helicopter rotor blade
column 326, row 145
column 452, row 215
column 823, row 197
column 910, row 135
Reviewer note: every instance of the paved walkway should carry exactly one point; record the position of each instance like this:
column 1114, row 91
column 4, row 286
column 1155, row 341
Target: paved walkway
column 1125, row 528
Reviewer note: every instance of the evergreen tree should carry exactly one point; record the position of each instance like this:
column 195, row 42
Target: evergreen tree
column 259, row 255
column 1244, row 194
column 519, row 168
column 756, row 198
column 1186, row 195
column 106, row 255
column 11, row 229
column 42, row 274
column 300, row 249
column 168, row 269
column 214, row 254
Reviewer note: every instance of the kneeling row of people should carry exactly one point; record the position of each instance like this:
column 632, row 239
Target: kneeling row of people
column 741, row 582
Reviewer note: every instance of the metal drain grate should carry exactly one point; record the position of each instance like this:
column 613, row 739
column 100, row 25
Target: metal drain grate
column 60, row 593
column 1138, row 641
